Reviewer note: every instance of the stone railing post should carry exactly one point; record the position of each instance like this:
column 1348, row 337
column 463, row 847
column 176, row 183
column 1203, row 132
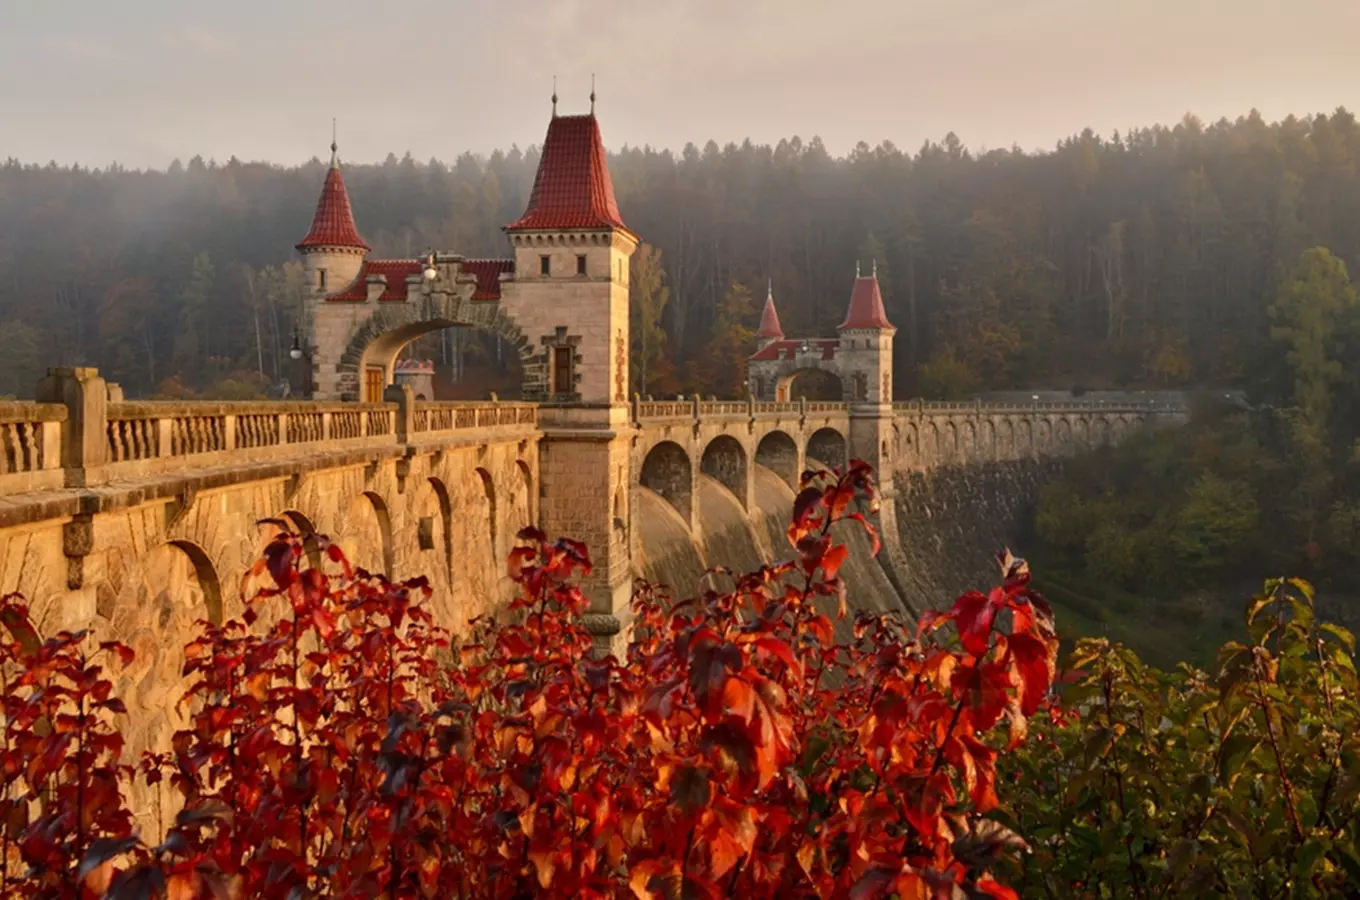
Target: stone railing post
column 405, row 398
column 697, row 407
column 84, row 436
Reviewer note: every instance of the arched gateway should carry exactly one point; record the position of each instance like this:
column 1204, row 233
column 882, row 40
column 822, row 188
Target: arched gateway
column 561, row 301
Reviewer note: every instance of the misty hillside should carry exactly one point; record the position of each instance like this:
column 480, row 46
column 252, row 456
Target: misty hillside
column 1144, row 259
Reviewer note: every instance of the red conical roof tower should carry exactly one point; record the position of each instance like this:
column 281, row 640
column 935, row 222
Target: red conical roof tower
column 333, row 223
column 866, row 304
column 769, row 329
column 572, row 189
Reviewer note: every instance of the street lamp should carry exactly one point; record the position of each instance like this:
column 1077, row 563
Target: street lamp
column 296, row 350
column 431, row 270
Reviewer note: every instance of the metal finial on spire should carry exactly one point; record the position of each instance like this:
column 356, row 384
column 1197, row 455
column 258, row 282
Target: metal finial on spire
column 875, row 269
column 335, row 147
column 856, row 268
column 769, row 288
column 554, row 97
column 592, row 93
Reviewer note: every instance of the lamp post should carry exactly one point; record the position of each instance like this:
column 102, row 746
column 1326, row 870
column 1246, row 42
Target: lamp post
column 431, row 271
column 297, row 352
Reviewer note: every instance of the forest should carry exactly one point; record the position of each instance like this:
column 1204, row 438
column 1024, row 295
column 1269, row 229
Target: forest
column 1143, row 259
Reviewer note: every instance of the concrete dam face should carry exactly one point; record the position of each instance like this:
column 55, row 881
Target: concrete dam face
column 952, row 520
column 950, row 523
column 730, row 538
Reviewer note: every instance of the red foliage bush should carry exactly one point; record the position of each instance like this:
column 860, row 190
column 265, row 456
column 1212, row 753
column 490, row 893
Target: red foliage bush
column 742, row 747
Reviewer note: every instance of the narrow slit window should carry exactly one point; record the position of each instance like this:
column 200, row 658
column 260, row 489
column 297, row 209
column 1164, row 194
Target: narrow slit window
column 562, row 371
column 581, row 264
column 545, row 265
column 321, row 279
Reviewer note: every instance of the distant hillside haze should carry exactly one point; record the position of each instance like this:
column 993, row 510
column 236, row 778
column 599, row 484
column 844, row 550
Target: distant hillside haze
column 1137, row 260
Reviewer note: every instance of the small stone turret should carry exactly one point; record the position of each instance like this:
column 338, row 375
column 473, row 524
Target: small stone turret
column 769, row 330
column 333, row 251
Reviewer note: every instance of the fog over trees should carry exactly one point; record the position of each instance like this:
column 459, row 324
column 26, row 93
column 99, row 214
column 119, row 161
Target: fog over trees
column 1145, row 259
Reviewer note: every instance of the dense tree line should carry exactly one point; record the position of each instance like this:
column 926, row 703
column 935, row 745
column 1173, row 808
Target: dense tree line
column 1146, row 258
column 1240, row 492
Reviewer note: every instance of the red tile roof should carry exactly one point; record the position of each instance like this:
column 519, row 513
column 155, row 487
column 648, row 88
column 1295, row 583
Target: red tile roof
column 572, row 188
column 396, row 270
column 488, row 274
column 866, row 305
column 333, row 223
column 789, row 348
column 769, row 320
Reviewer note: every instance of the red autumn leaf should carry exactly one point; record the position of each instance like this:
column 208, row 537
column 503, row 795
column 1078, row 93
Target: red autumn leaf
column 780, row 650
column 973, row 614
column 1036, row 663
column 821, row 628
column 124, row 652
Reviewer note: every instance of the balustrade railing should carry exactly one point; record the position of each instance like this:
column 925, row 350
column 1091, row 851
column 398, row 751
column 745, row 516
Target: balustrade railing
column 30, row 437
column 156, row 429
column 434, row 416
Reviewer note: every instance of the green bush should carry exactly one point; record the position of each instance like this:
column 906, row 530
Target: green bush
column 1240, row 783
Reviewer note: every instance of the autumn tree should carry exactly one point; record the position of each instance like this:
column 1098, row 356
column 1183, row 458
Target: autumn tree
column 649, row 294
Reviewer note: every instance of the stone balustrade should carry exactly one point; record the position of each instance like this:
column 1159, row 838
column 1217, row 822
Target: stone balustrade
column 439, row 416
column 30, row 445
column 92, row 436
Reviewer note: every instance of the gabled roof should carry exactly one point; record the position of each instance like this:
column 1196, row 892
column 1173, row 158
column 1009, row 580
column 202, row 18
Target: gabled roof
column 487, row 273
column 333, row 222
column 572, row 188
column 396, row 270
column 769, row 320
column 788, row 349
column 866, row 305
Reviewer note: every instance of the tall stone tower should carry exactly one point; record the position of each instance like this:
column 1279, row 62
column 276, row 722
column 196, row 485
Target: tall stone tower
column 866, row 344
column 866, row 361
column 571, row 291
column 571, row 268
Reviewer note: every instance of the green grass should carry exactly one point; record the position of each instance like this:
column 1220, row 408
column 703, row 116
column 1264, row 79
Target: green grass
column 1163, row 632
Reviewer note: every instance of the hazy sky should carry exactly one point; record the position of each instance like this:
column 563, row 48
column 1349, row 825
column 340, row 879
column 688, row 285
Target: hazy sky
column 145, row 81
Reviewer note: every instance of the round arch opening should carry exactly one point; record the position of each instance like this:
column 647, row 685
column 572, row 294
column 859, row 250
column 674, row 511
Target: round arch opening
column 724, row 460
column 779, row 453
column 464, row 362
column 827, row 446
column 666, row 471
column 810, row 384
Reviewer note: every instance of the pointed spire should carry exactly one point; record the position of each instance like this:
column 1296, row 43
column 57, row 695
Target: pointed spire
column 769, row 329
column 866, row 304
column 592, row 93
column 333, row 221
column 554, row 115
column 572, row 189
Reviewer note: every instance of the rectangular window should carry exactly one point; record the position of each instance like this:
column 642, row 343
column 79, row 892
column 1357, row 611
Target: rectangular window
column 581, row 264
column 562, row 371
column 545, row 265
column 373, row 384
column 321, row 278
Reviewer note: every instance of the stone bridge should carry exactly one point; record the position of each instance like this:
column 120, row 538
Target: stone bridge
column 676, row 441
column 137, row 519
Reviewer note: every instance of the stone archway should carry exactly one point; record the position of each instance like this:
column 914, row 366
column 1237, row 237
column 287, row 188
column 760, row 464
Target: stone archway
column 666, row 471
column 814, row 383
column 724, row 460
column 827, row 446
column 779, row 453
column 373, row 343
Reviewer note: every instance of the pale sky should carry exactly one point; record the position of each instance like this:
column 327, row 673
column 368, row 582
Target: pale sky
column 144, row 82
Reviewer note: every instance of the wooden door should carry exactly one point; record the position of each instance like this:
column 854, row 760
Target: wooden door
column 373, row 384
